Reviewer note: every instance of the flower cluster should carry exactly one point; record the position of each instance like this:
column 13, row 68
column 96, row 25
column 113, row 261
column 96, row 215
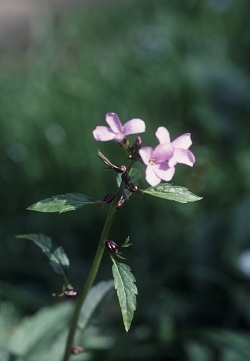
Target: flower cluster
column 160, row 161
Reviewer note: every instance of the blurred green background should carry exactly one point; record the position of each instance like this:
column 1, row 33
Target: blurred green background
column 182, row 64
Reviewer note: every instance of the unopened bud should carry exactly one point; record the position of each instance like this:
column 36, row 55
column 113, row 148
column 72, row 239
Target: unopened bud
column 119, row 168
column 132, row 187
column 70, row 292
column 108, row 198
column 134, row 149
column 125, row 177
column 124, row 143
column 138, row 141
column 112, row 246
column 76, row 350
column 120, row 204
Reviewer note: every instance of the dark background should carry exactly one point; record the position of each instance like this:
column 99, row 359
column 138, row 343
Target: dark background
column 181, row 64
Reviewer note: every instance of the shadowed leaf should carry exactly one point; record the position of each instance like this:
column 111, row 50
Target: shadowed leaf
column 93, row 300
column 56, row 255
column 62, row 203
column 35, row 331
column 135, row 175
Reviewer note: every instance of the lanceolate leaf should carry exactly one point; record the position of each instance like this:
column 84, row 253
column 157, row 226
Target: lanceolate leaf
column 93, row 300
column 126, row 291
column 172, row 193
column 58, row 258
column 62, row 203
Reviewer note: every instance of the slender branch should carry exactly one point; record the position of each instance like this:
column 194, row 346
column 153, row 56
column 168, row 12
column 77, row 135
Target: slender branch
column 93, row 271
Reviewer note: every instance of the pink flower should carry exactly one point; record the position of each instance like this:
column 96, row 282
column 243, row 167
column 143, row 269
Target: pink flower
column 155, row 160
column 116, row 131
column 160, row 161
column 181, row 144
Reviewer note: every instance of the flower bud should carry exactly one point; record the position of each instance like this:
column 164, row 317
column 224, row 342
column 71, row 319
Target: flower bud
column 112, row 246
column 132, row 187
column 138, row 141
column 125, row 177
column 119, row 168
column 120, row 204
column 124, row 143
column 76, row 350
column 108, row 198
column 134, row 149
column 70, row 292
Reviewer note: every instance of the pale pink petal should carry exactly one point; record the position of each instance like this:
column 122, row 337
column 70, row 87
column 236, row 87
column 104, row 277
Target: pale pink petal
column 183, row 156
column 151, row 177
column 103, row 133
column 119, row 137
column 114, row 122
column 146, row 154
column 162, row 135
column 163, row 152
column 134, row 126
column 172, row 161
column 164, row 172
column 183, row 141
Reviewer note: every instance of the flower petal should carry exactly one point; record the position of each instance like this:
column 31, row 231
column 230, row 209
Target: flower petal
column 163, row 152
column 164, row 172
column 134, row 126
column 146, row 154
column 162, row 135
column 183, row 141
column 114, row 122
column 183, row 156
column 151, row 177
column 103, row 133
column 119, row 137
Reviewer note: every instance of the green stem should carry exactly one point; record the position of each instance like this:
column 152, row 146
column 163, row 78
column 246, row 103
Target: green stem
column 93, row 271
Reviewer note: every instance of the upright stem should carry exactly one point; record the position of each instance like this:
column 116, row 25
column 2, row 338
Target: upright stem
column 93, row 271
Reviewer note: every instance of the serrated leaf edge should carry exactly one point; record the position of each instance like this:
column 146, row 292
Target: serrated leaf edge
column 198, row 198
column 127, row 323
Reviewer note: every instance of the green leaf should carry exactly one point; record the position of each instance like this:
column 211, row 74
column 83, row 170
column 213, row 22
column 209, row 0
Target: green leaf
column 237, row 344
column 126, row 291
column 135, row 176
column 6, row 356
column 172, row 193
column 93, row 300
column 58, row 258
column 38, row 331
column 62, row 203
column 127, row 243
column 22, row 297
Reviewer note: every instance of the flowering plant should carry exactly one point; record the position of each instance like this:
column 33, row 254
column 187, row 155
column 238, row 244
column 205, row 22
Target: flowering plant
column 160, row 165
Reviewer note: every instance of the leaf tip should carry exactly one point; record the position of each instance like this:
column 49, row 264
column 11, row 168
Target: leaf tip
column 20, row 236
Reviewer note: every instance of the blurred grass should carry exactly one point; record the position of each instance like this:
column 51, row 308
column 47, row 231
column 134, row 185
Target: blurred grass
column 183, row 65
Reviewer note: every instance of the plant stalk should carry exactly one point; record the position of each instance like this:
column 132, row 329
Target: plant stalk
column 93, row 271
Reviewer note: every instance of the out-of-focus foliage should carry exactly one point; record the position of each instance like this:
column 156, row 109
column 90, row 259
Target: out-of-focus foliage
column 180, row 64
